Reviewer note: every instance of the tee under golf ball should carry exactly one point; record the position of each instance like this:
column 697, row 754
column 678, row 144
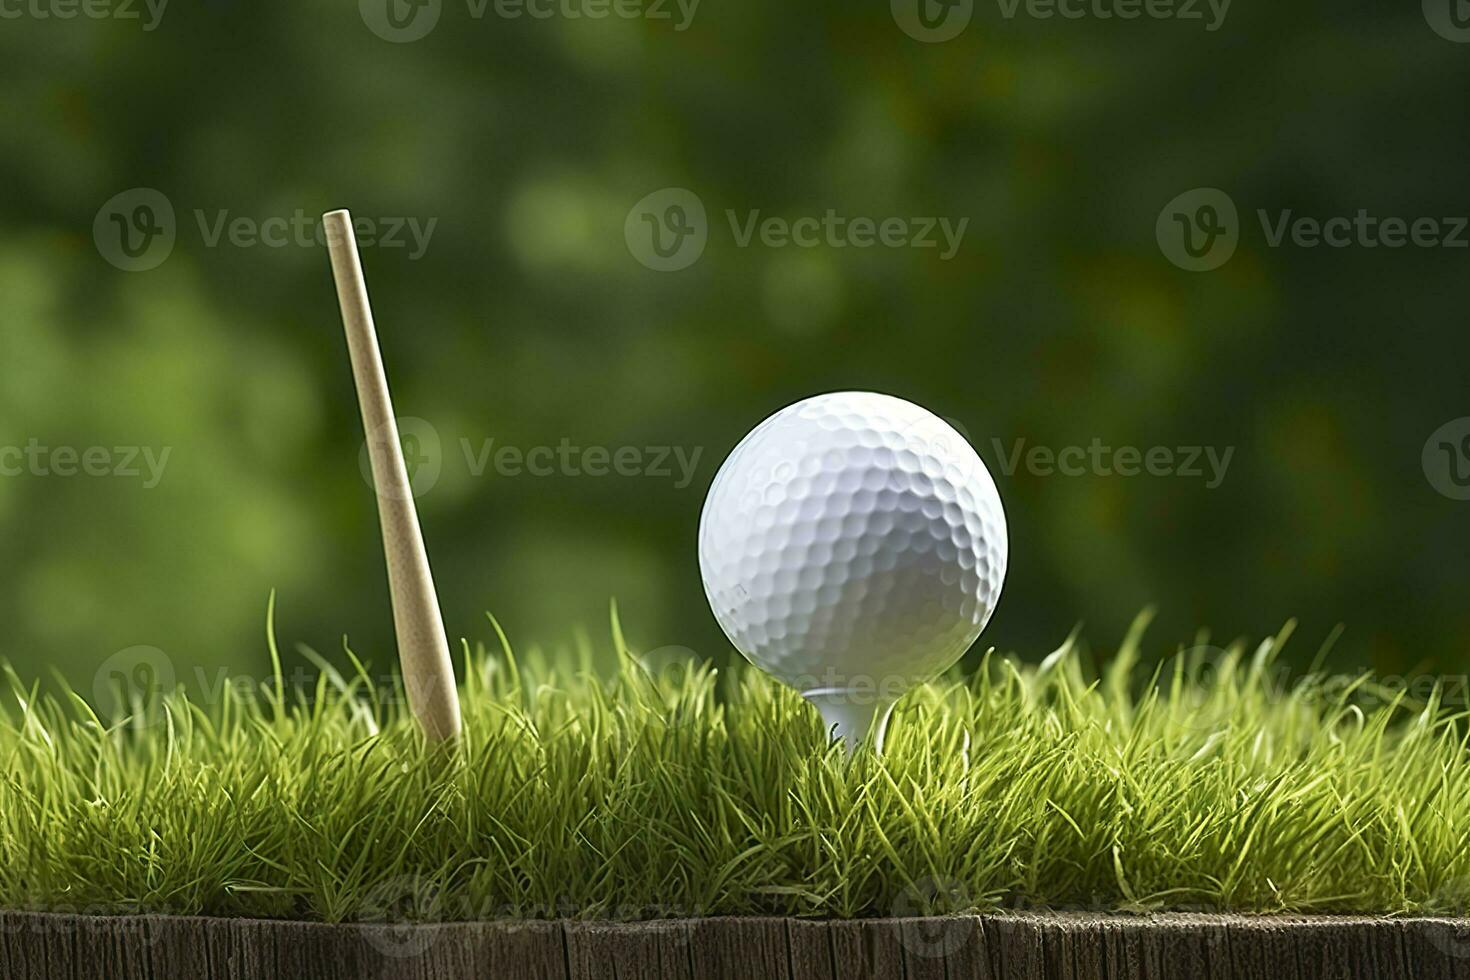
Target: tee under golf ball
column 853, row 545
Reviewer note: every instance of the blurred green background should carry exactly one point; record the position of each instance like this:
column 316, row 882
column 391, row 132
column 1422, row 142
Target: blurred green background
column 529, row 319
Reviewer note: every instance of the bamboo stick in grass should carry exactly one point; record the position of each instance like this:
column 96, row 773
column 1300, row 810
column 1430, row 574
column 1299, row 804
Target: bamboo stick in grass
column 423, row 650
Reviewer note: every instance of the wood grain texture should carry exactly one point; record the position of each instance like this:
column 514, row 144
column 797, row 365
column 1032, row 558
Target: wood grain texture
column 740, row 949
column 1012, row 946
column 423, row 649
column 610, row 951
column 810, row 947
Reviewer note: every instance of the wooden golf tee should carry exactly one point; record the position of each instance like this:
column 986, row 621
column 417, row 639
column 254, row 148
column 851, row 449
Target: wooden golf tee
column 423, row 650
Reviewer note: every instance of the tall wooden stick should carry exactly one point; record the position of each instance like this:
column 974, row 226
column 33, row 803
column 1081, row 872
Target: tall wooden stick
column 423, row 651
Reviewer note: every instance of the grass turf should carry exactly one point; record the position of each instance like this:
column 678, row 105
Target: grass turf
column 1208, row 785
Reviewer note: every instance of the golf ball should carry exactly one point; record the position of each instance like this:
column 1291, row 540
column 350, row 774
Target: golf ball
column 852, row 540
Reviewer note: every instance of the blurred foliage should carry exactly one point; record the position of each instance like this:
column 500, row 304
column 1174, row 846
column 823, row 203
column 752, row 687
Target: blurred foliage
column 527, row 320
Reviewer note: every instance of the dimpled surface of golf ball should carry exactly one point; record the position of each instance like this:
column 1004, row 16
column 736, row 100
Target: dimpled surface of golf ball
column 852, row 538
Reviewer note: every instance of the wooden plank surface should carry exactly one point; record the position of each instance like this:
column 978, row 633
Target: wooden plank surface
column 740, row 949
column 1010, row 946
column 1016, row 948
column 867, row 949
column 616, row 951
column 810, row 948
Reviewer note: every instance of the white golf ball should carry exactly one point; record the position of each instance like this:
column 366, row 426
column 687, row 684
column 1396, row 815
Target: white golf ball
column 853, row 545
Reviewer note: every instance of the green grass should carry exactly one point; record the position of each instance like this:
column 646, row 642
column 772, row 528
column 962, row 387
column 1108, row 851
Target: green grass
column 1211, row 785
